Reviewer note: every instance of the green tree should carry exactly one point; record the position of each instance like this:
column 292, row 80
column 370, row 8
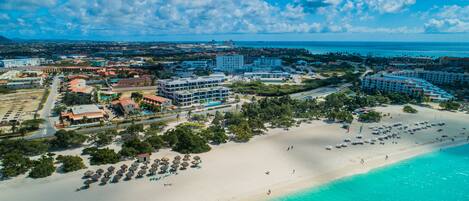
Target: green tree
column 42, row 167
column 218, row 118
column 242, row 131
column 217, row 134
column 67, row 139
column 24, row 147
column 158, row 126
column 155, row 141
column 450, row 105
column 106, row 137
column 133, row 147
column 71, row 163
column 371, row 116
column 137, row 96
column 409, row 109
column 104, row 156
column 187, row 141
column 14, row 164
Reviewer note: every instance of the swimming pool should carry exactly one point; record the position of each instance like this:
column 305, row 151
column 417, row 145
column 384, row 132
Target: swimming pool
column 213, row 103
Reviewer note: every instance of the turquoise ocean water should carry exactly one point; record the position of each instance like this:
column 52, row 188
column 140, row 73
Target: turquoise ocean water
column 438, row 176
column 384, row 49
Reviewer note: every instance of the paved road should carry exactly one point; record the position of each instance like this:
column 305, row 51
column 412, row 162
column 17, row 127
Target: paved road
column 47, row 129
column 324, row 91
column 319, row 92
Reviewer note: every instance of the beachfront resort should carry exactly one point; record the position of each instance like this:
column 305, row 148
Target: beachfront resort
column 215, row 121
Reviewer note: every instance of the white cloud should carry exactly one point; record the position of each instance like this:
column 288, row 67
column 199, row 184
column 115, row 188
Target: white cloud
column 449, row 19
column 389, row 6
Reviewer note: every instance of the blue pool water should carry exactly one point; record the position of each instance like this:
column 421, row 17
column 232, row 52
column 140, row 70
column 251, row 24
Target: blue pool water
column 439, row 176
column 147, row 112
column 213, row 103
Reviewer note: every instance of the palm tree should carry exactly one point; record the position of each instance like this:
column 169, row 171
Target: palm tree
column 189, row 113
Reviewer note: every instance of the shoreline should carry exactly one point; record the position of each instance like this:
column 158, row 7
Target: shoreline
column 371, row 164
column 246, row 171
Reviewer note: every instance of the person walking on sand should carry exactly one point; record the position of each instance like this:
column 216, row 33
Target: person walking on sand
column 269, row 192
column 293, row 172
column 386, row 157
column 362, row 161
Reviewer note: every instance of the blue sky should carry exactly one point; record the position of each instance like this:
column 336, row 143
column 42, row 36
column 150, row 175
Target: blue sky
column 191, row 20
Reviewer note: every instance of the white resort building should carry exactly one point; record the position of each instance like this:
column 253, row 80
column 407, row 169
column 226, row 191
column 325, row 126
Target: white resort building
column 189, row 91
column 408, row 85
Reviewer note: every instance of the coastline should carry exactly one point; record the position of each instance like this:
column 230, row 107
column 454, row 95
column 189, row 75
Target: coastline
column 238, row 171
column 377, row 162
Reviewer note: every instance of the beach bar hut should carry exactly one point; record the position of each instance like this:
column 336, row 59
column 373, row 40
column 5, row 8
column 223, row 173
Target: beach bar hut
column 143, row 157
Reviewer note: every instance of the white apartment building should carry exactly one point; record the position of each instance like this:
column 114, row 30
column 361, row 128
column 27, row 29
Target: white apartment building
column 13, row 63
column 14, row 79
column 436, row 77
column 198, row 90
column 230, row 63
column 406, row 85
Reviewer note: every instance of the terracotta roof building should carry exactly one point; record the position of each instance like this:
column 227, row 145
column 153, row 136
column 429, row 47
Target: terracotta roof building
column 83, row 114
column 126, row 106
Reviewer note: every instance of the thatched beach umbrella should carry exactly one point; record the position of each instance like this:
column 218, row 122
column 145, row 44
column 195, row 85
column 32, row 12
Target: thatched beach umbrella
column 144, row 167
column 157, row 161
column 111, row 169
column 195, row 163
column 88, row 182
column 187, row 157
column 153, row 170
column 129, row 175
column 164, row 168
column 88, row 174
column 141, row 173
column 100, row 171
column 124, row 167
column 95, row 177
column 184, row 165
column 116, row 178
column 176, row 162
column 132, row 169
column 197, row 158
column 174, row 167
column 107, row 174
column 166, row 159
column 177, row 157
column 120, row 172
column 104, row 180
column 154, row 165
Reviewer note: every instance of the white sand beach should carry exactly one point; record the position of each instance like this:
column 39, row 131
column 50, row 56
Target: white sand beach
column 237, row 171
